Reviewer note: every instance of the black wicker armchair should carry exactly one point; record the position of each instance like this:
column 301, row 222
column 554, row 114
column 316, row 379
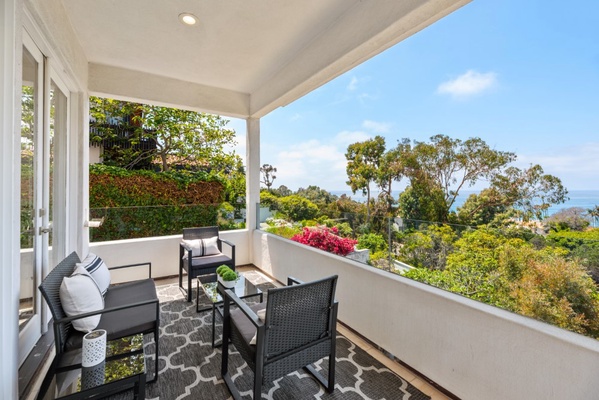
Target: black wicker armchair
column 299, row 328
column 205, row 264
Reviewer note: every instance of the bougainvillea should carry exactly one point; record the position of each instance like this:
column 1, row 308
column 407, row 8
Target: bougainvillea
column 325, row 239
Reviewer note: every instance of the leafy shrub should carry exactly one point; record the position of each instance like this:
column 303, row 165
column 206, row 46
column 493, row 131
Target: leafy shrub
column 373, row 242
column 268, row 199
column 285, row 231
column 226, row 273
column 325, row 239
column 137, row 204
column 297, row 208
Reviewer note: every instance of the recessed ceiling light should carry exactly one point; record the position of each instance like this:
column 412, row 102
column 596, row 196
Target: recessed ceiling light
column 188, row 19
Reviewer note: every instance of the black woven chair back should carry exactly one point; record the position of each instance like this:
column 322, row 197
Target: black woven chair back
column 50, row 289
column 299, row 315
column 204, row 232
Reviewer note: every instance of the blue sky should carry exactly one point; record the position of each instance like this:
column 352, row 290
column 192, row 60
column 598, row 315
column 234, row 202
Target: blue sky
column 521, row 75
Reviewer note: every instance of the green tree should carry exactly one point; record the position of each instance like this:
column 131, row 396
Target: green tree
column 423, row 201
column 373, row 242
column 282, row 191
column 594, row 214
column 183, row 138
column 428, row 248
column 510, row 273
column 297, row 208
column 452, row 164
column 189, row 137
column 530, row 191
column 482, row 208
column 363, row 161
column 316, row 195
column 392, row 169
column 268, row 175
column 572, row 218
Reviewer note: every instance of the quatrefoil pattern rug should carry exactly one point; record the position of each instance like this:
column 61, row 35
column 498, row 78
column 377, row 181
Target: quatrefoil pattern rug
column 189, row 368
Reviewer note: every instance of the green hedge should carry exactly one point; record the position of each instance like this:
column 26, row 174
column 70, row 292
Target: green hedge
column 137, row 204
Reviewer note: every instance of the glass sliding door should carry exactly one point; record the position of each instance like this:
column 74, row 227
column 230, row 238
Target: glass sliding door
column 32, row 110
column 44, row 132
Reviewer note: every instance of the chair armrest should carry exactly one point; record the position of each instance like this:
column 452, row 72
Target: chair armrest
column 293, row 281
column 106, row 310
column 229, row 243
column 232, row 250
column 149, row 264
column 232, row 297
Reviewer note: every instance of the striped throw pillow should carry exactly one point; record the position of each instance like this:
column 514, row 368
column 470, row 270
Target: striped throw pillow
column 98, row 270
column 201, row 247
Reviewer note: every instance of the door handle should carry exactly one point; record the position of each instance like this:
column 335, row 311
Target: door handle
column 45, row 230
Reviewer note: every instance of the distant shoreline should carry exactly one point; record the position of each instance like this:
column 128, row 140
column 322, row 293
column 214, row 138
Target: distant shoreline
column 585, row 199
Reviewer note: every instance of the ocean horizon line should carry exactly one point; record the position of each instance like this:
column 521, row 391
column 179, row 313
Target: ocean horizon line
column 584, row 198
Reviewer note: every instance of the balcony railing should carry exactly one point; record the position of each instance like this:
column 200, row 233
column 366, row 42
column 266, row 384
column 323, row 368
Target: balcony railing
column 472, row 349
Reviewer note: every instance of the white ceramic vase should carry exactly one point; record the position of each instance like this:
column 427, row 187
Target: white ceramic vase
column 94, row 348
column 227, row 284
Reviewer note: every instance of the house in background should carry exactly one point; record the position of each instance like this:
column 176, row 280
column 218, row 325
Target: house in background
column 239, row 59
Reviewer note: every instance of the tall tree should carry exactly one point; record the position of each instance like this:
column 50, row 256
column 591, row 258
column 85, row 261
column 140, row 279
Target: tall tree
column 184, row 138
column 594, row 214
column 187, row 136
column 363, row 161
column 392, row 169
column 530, row 190
column 452, row 164
column 268, row 175
column 445, row 165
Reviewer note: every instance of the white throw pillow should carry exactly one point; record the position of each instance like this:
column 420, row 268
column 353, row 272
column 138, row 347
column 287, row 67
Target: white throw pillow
column 98, row 270
column 80, row 294
column 201, row 247
column 262, row 315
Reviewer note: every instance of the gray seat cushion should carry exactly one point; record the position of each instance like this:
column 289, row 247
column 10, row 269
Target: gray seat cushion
column 244, row 326
column 128, row 321
column 209, row 260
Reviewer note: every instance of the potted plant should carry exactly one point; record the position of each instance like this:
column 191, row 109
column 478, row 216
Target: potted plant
column 226, row 276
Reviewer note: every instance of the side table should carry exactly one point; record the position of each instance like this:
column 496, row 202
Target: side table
column 124, row 368
column 244, row 289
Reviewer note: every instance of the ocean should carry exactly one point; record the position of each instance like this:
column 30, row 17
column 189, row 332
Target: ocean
column 585, row 199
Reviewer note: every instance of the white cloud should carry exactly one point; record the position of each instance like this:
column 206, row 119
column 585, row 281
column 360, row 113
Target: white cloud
column 345, row 138
column 576, row 166
column 468, row 84
column 376, row 127
column 353, row 84
column 311, row 163
column 295, row 117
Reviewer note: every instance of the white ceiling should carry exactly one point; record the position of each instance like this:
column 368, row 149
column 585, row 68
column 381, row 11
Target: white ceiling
column 269, row 52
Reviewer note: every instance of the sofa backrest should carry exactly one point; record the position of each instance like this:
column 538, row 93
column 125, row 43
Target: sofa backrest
column 50, row 289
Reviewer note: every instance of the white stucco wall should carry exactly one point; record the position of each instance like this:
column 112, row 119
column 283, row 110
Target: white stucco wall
column 162, row 252
column 474, row 350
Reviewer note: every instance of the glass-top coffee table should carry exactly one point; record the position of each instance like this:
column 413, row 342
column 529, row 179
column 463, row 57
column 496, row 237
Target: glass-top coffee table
column 124, row 368
column 244, row 289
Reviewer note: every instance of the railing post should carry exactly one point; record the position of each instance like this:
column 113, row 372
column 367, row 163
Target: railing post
column 390, row 241
column 257, row 215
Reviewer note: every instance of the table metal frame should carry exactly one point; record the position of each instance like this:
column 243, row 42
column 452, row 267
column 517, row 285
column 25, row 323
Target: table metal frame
column 219, row 304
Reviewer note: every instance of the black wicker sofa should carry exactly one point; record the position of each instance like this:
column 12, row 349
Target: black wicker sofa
column 129, row 308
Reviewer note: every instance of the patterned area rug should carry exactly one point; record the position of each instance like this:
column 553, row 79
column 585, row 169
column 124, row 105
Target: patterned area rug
column 190, row 367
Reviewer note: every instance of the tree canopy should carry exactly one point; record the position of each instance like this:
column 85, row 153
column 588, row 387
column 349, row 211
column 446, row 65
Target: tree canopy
column 185, row 139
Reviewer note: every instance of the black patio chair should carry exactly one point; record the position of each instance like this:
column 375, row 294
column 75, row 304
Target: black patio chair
column 202, row 265
column 299, row 329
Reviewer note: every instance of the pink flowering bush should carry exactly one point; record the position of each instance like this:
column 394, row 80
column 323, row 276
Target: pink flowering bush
column 325, row 239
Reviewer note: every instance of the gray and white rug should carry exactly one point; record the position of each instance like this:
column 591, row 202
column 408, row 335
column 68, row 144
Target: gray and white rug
column 190, row 367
